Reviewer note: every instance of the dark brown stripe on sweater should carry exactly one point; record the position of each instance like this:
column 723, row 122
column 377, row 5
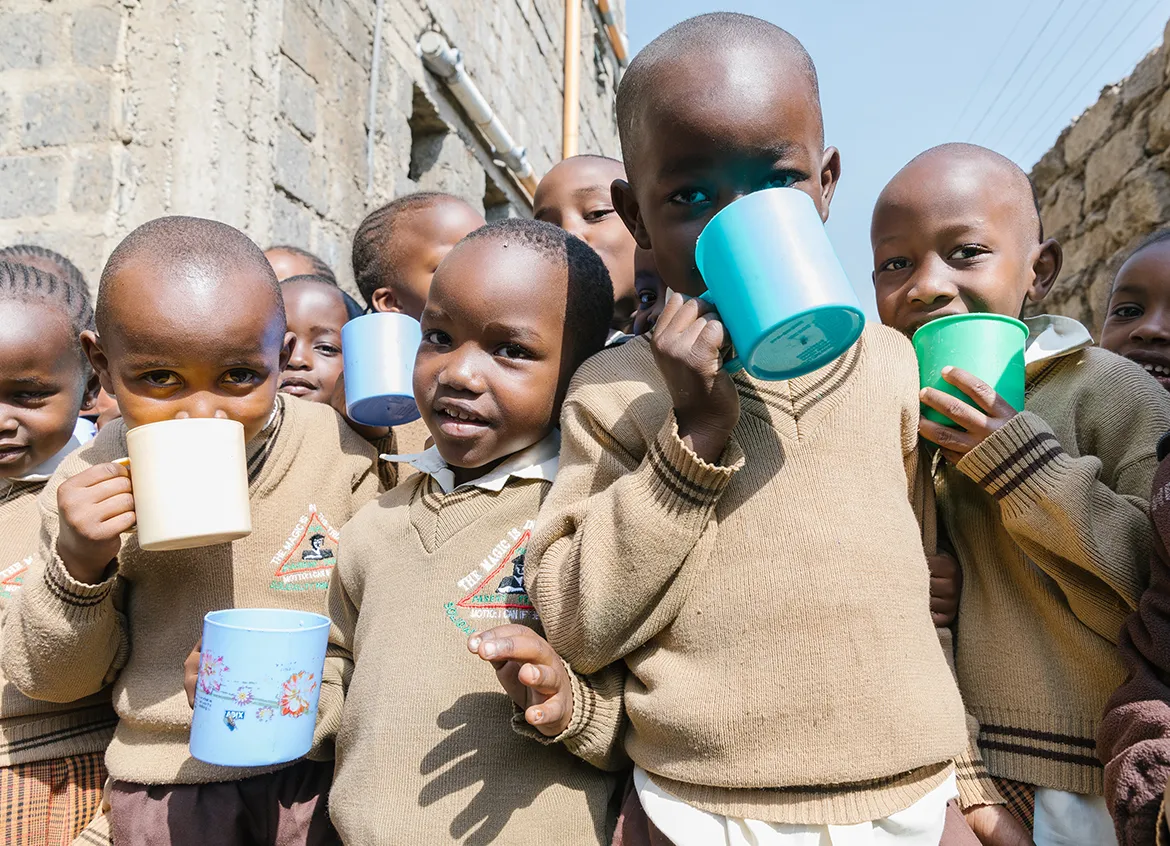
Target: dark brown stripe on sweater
column 62, row 592
column 59, row 735
column 1028, row 471
column 847, row 362
column 659, row 456
column 1002, row 468
column 1033, row 734
column 803, row 406
column 1049, row 754
column 666, row 474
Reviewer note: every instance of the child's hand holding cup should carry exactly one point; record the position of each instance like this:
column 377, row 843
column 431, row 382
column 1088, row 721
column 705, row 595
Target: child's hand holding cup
column 96, row 506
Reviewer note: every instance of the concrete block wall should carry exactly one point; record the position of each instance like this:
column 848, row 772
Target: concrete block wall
column 1105, row 185
column 254, row 112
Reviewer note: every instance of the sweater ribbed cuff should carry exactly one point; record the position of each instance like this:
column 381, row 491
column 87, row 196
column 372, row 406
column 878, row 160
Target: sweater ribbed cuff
column 1013, row 463
column 80, row 599
column 681, row 480
column 974, row 782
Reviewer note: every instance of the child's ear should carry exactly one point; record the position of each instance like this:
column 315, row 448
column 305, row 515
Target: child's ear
column 830, row 175
column 286, row 351
column 1046, row 268
column 384, row 300
column 92, row 344
column 626, row 205
column 89, row 398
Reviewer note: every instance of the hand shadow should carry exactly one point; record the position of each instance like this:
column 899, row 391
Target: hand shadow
column 469, row 755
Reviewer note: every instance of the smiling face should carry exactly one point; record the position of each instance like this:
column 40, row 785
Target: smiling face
column 957, row 233
column 210, row 342
column 575, row 195
column 1137, row 322
column 42, row 386
column 490, row 364
column 716, row 128
column 420, row 241
column 316, row 312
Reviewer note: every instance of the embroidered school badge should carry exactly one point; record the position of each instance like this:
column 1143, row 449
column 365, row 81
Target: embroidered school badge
column 308, row 556
column 495, row 589
column 12, row 578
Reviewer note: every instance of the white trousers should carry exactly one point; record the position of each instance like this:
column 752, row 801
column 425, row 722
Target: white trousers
column 919, row 825
column 1071, row 819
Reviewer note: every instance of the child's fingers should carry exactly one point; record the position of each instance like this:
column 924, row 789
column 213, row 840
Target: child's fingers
column 674, row 302
column 512, row 643
column 541, row 678
column 978, row 390
column 118, row 524
column 948, row 439
column 954, row 408
column 107, row 509
column 550, row 711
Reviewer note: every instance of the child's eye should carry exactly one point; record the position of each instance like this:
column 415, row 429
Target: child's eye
column 513, row 351
column 968, row 251
column 647, row 298
column 328, row 349
column 241, row 376
column 1127, row 312
column 161, row 379
column 893, row 264
column 690, row 197
column 783, row 180
column 598, row 214
column 32, row 398
column 436, row 337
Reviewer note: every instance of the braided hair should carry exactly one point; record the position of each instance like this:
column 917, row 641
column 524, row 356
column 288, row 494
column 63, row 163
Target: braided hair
column 20, row 283
column 320, row 268
column 49, row 261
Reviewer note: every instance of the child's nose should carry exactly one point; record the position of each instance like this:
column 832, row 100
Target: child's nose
column 1154, row 329
column 463, row 372
column 931, row 283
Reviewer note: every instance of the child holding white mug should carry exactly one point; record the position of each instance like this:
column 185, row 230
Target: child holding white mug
column 98, row 608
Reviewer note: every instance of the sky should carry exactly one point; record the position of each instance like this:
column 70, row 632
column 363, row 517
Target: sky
column 900, row 76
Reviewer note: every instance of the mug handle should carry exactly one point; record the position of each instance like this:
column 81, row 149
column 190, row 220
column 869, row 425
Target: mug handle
column 731, row 364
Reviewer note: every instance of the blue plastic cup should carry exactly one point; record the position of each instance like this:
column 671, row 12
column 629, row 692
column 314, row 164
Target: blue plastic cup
column 259, row 683
column 379, row 350
column 779, row 287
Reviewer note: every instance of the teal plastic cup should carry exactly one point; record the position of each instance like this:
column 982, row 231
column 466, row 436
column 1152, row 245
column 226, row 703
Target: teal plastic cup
column 780, row 290
column 988, row 346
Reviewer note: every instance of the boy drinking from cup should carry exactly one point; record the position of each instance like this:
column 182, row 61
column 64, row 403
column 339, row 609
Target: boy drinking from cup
column 513, row 310
column 96, row 608
column 717, row 532
column 51, row 770
column 1046, row 506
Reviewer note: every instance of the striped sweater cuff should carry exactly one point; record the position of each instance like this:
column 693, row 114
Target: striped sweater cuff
column 974, row 782
column 78, row 597
column 682, row 481
column 1012, row 463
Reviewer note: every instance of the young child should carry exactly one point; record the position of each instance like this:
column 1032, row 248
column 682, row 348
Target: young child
column 288, row 262
column 649, row 292
column 51, row 770
column 575, row 196
column 96, row 608
column 748, row 548
column 395, row 252
column 316, row 310
column 1137, row 321
column 513, row 310
column 1047, row 507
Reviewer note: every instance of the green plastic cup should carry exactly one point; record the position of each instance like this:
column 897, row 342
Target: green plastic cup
column 989, row 346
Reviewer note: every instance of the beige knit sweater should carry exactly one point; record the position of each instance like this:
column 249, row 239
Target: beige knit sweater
column 773, row 608
column 64, row 640
column 426, row 752
column 31, row 730
column 1050, row 521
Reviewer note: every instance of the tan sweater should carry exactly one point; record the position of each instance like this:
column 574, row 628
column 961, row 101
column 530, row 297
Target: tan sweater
column 1050, row 521
column 425, row 752
column 410, row 439
column 773, row 608
column 31, row 730
column 64, row 640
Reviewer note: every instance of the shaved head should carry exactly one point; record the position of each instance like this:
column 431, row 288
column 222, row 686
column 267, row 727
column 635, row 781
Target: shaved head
column 185, row 257
column 695, row 42
column 972, row 162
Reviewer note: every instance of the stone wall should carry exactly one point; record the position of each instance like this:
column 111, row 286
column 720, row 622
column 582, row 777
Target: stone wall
column 1105, row 185
column 254, row 112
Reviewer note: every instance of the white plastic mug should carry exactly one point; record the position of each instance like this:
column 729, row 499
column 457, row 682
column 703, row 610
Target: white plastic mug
column 190, row 479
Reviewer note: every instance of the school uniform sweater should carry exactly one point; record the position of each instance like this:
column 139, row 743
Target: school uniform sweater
column 409, row 439
column 426, row 751
column 772, row 607
column 1134, row 741
column 32, row 730
column 64, row 640
column 1049, row 518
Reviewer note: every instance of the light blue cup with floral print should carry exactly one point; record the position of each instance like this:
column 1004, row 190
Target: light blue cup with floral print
column 258, row 687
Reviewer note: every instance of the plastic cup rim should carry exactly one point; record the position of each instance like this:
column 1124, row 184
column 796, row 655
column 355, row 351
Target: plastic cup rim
column 942, row 322
column 322, row 621
column 186, row 421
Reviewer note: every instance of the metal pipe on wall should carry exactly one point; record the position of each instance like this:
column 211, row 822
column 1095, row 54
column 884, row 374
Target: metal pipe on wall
column 617, row 39
column 572, row 87
column 445, row 62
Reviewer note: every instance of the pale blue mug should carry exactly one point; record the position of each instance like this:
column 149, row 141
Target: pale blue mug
column 378, row 351
column 258, row 687
column 780, row 290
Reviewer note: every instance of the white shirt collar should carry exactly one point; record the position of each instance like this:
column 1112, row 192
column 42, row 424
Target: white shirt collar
column 538, row 461
column 83, row 432
column 1052, row 336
